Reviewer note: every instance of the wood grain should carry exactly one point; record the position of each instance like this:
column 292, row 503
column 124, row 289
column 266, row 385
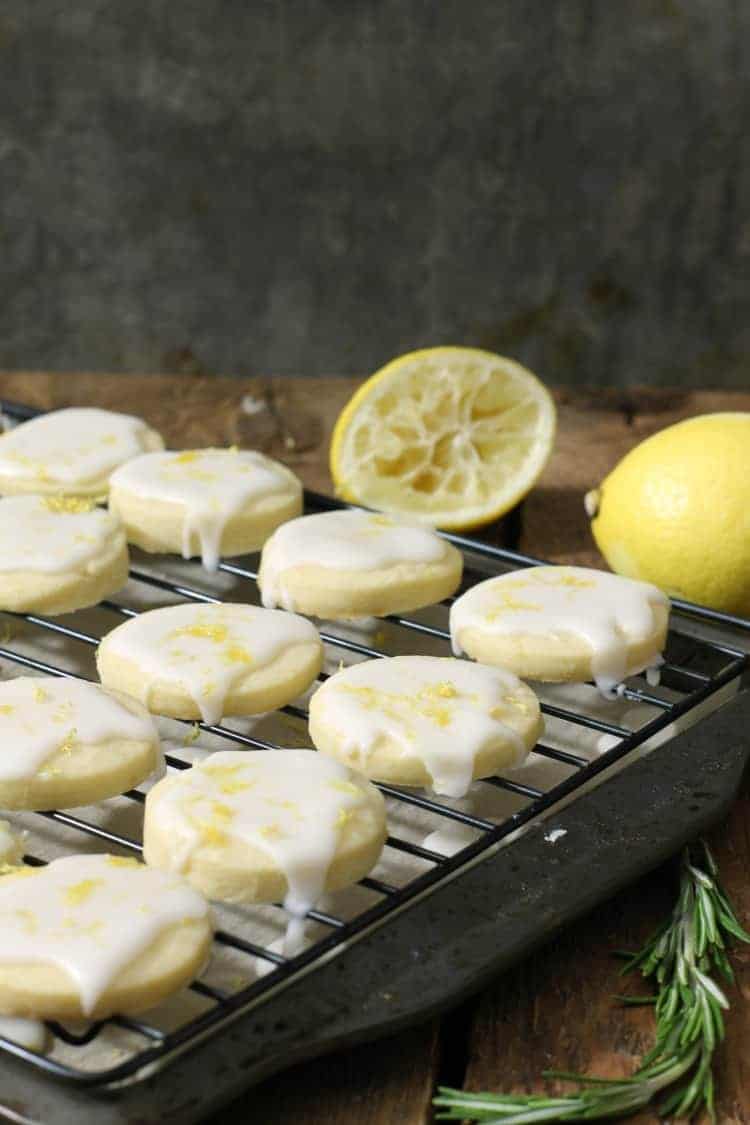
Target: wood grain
column 556, row 1008
column 390, row 1081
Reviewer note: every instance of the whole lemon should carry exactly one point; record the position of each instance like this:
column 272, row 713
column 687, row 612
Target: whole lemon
column 676, row 512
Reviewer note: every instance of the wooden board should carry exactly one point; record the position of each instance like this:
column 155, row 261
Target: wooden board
column 556, row 1008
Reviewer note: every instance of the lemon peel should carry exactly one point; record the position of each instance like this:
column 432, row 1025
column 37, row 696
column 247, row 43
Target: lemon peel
column 675, row 511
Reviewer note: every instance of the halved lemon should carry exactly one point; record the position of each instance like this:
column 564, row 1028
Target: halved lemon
column 453, row 437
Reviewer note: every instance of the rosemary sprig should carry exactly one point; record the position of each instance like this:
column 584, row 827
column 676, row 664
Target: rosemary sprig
column 682, row 959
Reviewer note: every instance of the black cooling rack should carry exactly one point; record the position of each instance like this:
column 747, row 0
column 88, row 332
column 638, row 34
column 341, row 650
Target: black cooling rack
column 697, row 667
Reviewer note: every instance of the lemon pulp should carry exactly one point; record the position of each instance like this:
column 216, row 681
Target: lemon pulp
column 449, row 436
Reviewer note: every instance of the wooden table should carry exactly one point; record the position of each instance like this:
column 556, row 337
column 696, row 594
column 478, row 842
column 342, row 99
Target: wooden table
column 554, row 1010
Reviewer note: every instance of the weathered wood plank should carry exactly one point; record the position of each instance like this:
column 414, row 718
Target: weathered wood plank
column 556, row 1009
column 385, row 1083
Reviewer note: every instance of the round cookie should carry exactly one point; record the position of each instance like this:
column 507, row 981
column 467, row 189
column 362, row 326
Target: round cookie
column 65, row 743
column 71, row 451
column 204, row 661
column 279, row 826
column 350, row 564
column 90, row 936
column 32, row 1034
column 563, row 623
column 58, row 554
column 425, row 720
column 208, row 502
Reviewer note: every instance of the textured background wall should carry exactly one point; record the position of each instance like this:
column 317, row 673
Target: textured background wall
column 313, row 186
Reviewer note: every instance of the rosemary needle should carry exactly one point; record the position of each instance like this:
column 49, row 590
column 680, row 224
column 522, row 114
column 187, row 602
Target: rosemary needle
column 683, row 959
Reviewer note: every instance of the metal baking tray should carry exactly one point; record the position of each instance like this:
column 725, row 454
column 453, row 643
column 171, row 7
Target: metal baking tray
column 463, row 889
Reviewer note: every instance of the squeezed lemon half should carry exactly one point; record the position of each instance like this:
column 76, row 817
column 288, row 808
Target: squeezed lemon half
column 452, row 437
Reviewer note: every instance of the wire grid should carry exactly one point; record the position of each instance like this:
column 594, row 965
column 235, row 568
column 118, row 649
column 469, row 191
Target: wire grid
column 694, row 670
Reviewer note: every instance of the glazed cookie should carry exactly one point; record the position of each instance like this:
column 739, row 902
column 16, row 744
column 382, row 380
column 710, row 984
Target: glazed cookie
column 32, row 1034
column 563, row 623
column 350, row 564
column 58, row 554
column 205, row 661
column 266, row 827
column 65, row 742
column 425, row 720
column 71, row 451
column 90, row 936
column 208, row 502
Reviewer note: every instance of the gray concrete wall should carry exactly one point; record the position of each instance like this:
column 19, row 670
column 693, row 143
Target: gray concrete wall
column 312, row 187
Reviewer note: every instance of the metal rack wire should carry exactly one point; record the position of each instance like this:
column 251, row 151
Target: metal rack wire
column 696, row 669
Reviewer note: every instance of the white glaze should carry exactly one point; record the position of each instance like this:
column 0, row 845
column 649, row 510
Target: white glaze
column 40, row 534
column 653, row 672
column 554, row 835
column 91, row 916
column 205, row 649
column 290, row 804
column 40, row 715
column 349, row 539
column 72, row 447
column 445, row 711
column 11, row 841
column 31, row 1034
column 212, row 485
column 606, row 611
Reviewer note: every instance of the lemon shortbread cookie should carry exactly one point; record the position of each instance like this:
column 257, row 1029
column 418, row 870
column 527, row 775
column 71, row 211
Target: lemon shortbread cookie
column 280, row 826
column 425, row 720
column 208, row 502
column 71, row 451
column 352, row 564
column 94, row 935
column 563, row 623
column 32, row 1034
column 205, row 661
column 58, row 554
column 66, row 742
column 11, row 840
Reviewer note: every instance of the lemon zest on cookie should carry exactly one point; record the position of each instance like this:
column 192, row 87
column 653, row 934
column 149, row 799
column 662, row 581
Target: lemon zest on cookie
column 216, row 633
column 80, row 892
column 272, row 832
column 212, row 834
column 345, row 787
column 28, row 920
column 237, row 654
column 506, row 602
column 343, row 817
column 69, row 741
column 68, row 505
column 228, row 788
